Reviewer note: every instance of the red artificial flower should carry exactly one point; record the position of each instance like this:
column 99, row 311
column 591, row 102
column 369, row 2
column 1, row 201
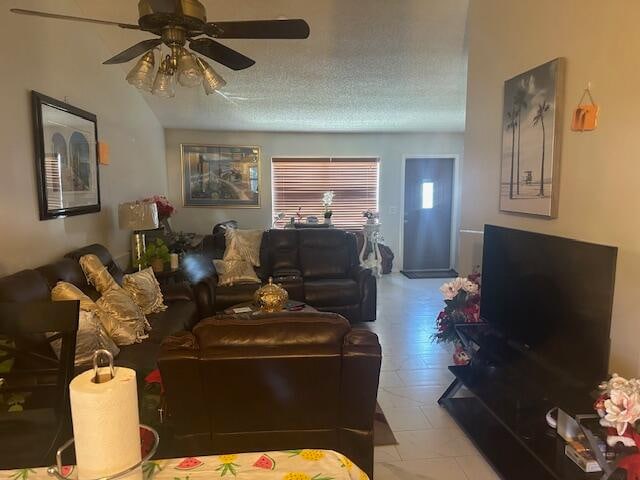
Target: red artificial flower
column 165, row 208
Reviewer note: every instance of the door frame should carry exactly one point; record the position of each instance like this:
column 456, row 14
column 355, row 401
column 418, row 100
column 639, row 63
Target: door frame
column 455, row 205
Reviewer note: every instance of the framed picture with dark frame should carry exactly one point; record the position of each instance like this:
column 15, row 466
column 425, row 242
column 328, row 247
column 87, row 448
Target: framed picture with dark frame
column 531, row 131
column 220, row 176
column 66, row 141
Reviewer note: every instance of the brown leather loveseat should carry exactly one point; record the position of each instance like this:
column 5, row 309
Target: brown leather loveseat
column 316, row 266
column 272, row 382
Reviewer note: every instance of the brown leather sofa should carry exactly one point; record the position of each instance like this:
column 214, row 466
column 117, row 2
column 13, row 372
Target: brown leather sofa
column 272, row 382
column 316, row 266
column 35, row 286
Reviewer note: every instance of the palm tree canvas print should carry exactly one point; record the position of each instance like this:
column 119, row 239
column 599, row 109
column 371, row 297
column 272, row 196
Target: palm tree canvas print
column 530, row 141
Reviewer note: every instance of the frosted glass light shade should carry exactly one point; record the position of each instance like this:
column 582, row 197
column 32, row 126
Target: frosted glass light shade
column 141, row 76
column 164, row 85
column 211, row 81
column 189, row 73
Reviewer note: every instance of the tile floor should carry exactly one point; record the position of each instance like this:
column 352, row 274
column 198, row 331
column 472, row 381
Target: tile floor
column 414, row 374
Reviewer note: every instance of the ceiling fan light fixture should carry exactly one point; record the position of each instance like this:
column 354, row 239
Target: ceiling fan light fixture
column 164, row 85
column 211, row 81
column 189, row 72
column 141, row 75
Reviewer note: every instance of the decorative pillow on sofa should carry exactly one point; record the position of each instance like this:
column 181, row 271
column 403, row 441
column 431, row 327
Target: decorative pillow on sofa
column 68, row 291
column 243, row 245
column 144, row 288
column 91, row 334
column 232, row 271
column 96, row 273
column 122, row 318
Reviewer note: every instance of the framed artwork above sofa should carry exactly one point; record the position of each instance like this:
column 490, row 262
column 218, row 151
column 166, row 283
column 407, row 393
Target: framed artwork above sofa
column 66, row 140
column 220, row 176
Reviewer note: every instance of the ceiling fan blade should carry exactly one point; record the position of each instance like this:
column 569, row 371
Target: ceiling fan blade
column 75, row 19
column 221, row 54
column 285, row 29
column 135, row 51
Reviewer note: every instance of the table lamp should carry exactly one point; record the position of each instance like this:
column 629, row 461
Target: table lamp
column 138, row 217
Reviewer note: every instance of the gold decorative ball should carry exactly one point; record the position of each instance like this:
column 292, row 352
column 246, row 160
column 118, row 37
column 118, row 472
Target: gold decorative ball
column 271, row 297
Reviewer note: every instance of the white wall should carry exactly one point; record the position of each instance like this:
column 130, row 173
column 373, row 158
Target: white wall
column 600, row 171
column 391, row 148
column 64, row 60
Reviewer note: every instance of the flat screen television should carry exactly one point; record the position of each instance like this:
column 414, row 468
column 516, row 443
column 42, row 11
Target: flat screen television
column 552, row 297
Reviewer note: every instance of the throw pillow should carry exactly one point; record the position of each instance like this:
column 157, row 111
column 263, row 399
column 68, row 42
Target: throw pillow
column 232, row 271
column 96, row 273
column 68, row 291
column 144, row 288
column 243, row 245
column 91, row 336
column 122, row 318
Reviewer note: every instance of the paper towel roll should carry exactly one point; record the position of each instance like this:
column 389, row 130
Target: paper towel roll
column 106, row 424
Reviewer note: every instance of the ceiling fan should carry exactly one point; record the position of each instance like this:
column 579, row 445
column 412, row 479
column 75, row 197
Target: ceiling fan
column 177, row 23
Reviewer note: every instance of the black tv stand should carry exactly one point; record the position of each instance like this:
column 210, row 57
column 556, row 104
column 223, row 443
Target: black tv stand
column 505, row 420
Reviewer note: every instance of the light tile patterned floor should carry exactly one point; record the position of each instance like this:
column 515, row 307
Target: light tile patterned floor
column 414, row 374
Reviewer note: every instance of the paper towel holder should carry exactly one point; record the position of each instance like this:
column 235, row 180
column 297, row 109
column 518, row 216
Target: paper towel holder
column 97, row 378
column 55, row 470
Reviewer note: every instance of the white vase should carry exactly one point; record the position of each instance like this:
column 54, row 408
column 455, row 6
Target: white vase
column 327, row 221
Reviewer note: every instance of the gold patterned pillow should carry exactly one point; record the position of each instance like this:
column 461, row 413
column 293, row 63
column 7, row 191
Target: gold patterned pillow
column 68, row 291
column 243, row 245
column 232, row 271
column 121, row 317
column 96, row 273
column 145, row 290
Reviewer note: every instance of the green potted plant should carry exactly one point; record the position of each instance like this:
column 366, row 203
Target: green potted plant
column 155, row 256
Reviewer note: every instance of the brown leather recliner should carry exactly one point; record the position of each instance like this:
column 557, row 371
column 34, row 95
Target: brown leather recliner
column 316, row 266
column 272, row 382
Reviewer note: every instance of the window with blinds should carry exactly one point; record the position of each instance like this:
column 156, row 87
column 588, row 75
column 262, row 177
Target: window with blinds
column 301, row 182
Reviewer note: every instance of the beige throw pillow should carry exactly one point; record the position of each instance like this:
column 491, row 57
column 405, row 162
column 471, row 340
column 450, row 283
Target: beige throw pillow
column 144, row 288
column 232, row 271
column 91, row 334
column 68, row 291
column 243, row 245
column 121, row 317
column 96, row 273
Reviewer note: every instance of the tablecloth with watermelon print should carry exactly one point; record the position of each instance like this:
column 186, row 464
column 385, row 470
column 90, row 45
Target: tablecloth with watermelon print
column 284, row 465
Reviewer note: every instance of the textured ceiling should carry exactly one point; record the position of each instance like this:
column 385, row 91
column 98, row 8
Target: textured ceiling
column 368, row 66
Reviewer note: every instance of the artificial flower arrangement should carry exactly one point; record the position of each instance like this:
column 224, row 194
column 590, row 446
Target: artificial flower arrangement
column 462, row 305
column 371, row 216
column 619, row 409
column 165, row 208
column 327, row 201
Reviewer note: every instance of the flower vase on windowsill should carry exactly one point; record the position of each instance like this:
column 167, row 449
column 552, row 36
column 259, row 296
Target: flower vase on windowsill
column 327, row 217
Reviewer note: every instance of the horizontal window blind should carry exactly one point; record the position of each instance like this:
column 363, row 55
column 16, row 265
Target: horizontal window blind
column 301, row 182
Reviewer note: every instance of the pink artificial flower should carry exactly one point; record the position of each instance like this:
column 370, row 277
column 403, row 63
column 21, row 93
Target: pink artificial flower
column 622, row 409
